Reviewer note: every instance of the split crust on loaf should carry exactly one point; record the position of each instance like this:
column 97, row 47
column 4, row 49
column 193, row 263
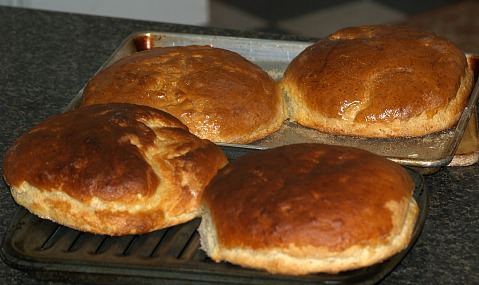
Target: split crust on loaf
column 113, row 169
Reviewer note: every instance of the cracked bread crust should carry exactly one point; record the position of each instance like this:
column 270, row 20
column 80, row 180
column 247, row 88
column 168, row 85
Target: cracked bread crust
column 378, row 81
column 112, row 169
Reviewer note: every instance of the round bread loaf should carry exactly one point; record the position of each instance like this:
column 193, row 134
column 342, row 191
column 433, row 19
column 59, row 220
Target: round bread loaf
column 378, row 81
column 308, row 208
column 217, row 93
column 112, row 169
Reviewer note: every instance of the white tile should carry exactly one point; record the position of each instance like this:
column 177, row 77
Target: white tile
column 323, row 22
column 229, row 17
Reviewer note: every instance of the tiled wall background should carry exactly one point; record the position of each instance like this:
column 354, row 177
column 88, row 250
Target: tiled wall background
column 312, row 17
column 456, row 19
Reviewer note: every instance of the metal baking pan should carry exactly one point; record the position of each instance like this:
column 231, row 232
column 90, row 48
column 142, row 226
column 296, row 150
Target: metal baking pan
column 273, row 56
column 48, row 251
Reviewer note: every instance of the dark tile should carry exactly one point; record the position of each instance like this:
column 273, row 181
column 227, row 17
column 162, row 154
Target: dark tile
column 413, row 7
column 274, row 10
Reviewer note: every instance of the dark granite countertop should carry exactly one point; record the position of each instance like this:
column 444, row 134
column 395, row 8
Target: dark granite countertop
column 46, row 57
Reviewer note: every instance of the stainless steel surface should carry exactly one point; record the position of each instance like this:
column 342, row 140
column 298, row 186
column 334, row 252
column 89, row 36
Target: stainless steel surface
column 431, row 151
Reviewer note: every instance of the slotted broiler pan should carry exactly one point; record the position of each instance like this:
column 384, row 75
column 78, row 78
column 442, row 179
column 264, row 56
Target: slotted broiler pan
column 49, row 251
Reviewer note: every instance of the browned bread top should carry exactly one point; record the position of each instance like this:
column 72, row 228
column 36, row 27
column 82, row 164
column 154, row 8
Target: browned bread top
column 307, row 208
column 314, row 195
column 379, row 74
column 111, row 169
column 217, row 93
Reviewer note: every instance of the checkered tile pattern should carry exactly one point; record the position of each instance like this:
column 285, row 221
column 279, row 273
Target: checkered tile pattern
column 314, row 18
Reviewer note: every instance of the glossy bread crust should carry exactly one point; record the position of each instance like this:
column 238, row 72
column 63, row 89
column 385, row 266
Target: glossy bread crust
column 308, row 208
column 378, row 81
column 217, row 93
column 111, row 169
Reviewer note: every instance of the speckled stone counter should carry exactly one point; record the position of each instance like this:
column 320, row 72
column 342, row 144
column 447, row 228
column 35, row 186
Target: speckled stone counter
column 46, row 57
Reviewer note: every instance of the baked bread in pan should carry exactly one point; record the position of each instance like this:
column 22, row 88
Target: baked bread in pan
column 307, row 208
column 378, row 81
column 217, row 93
column 113, row 169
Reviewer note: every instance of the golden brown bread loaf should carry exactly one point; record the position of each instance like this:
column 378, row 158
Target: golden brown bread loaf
column 112, row 169
column 308, row 208
column 217, row 93
column 378, row 81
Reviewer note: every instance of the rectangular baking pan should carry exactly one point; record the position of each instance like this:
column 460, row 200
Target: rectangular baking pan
column 273, row 56
column 48, row 251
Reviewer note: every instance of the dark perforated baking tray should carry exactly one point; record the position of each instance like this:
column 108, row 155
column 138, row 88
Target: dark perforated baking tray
column 431, row 151
column 49, row 251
